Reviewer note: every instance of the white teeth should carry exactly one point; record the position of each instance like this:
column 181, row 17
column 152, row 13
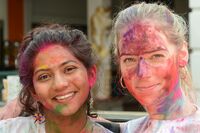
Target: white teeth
column 65, row 96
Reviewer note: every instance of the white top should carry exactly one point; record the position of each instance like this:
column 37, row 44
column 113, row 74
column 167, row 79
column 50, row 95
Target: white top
column 27, row 125
column 189, row 124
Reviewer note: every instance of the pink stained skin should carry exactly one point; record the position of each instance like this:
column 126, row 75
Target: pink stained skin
column 62, row 84
column 150, row 69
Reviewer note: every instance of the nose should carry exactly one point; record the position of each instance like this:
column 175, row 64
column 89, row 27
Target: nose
column 142, row 69
column 60, row 82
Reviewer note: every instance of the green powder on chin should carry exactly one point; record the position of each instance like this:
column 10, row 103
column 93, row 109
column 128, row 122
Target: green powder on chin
column 59, row 108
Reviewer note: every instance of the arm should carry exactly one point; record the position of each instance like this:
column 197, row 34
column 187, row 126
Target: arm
column 12, row 109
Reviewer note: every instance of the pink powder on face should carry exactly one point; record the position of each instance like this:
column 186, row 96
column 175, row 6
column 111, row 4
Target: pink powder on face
column 166, row 75
column 47, row 105
column 177, row 95
column 44, row 50
column 43, row 102
column 160, row 91
column 44, row 47
column 172, row 73
column 137, row 39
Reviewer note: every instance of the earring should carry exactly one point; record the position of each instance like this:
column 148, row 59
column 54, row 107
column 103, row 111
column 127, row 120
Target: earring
column 38, row 116
column 91, row 102
column 122, row 83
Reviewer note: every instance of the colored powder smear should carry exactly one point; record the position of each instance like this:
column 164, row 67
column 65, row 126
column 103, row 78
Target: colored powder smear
column 58, row 109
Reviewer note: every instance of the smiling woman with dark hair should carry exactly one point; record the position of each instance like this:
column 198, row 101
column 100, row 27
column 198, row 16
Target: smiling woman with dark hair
column 57, row 70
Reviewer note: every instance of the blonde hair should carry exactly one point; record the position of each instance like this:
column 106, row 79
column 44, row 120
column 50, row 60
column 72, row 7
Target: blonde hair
column 172, row 25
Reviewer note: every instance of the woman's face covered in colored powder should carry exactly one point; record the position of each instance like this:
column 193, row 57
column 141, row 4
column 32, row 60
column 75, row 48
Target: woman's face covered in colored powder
column 148, row 62
column 61, row 81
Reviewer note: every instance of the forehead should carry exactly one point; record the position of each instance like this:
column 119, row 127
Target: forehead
column 52, row 54
column 141, row 37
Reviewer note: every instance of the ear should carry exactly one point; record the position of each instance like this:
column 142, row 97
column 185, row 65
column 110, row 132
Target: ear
column 183, row 55
column 92, row 76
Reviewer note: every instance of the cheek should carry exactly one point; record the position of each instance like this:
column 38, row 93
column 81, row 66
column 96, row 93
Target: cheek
column 42, row 92
column 130, row 74
column 162, row 72
column 168, row 73
column 37, row 90
column 167, row 70
column 82, row 82
column 126, row 72
column 47, row 105
column 128, row 77
column 42, row 97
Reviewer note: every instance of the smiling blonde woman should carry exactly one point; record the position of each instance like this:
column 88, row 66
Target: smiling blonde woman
column 151, row 50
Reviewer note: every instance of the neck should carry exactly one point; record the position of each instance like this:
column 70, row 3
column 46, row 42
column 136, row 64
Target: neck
column 56, row 123
column 173, row 106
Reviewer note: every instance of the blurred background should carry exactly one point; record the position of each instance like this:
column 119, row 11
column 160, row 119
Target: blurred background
column 94, row 18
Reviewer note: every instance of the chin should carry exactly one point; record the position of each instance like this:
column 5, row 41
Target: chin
column 146, row 100
column 73, row 110
column 68, row 111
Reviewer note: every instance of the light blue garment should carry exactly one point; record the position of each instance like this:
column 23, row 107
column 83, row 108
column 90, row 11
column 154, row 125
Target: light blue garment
column 27, row 125
column 189, row 124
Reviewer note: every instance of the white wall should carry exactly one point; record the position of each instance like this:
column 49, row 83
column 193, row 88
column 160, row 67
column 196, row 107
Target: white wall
column 194, row 41
column 194, row 4
column 3, row 16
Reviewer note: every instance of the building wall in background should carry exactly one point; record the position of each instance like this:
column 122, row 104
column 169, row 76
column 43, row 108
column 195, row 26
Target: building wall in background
column 194, row 42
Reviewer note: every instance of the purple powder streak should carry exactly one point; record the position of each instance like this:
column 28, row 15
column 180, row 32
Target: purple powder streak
column 168, row 17
column 141, row 67
column 128, row 36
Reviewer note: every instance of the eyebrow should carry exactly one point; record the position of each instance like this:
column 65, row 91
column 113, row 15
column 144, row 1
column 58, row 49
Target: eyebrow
column 156, row 50
column 147, row 52
column 47, row 69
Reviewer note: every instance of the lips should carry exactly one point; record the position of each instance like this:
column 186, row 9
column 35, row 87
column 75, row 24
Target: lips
column 147, row 87
column 65, row 97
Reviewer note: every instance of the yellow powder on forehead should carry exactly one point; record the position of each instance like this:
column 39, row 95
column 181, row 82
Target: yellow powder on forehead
column 43, row 67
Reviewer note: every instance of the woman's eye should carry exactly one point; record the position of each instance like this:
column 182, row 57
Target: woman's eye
column 69, row 69
column 43, row 77
column 129, row 60
column 157, row 56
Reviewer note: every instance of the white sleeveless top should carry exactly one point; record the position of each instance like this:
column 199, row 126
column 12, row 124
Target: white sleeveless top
column 189, row 124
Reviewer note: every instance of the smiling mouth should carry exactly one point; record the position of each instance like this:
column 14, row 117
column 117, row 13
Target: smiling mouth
column 147, row 87
column 65, row 97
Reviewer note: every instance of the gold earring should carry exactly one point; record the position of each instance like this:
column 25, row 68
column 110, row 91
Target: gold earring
column 38, row 116
column 122, row 83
